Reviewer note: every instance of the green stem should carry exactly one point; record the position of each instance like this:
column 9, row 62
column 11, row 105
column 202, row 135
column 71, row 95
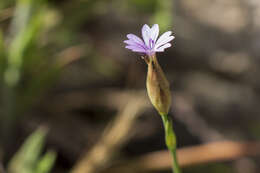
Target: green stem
column 171, row 143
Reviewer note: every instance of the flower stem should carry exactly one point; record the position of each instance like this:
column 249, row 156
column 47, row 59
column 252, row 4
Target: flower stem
column 171, row 143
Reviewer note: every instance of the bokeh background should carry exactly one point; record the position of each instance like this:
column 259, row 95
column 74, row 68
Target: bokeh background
column 73, row 99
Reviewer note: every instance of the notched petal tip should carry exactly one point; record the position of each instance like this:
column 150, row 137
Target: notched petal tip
column 154, row 32
column 135, row 39
column 164, row 39
column 161, row 49
column 129, row 36
column 155, row 27
column 145, row 26
column 126, row 41
column 170, row 38
column 130, row 42
column 146, row 34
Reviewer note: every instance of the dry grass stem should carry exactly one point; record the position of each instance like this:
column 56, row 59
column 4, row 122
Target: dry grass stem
column 114, row 136
column 205, row 153
column 70, row 55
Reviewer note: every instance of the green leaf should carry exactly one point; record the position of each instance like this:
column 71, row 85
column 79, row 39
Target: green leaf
column 46, row 163
column 26, row 158
column 25, row 30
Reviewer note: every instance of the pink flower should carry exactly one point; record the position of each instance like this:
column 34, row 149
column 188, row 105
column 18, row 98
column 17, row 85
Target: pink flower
column 150, row 44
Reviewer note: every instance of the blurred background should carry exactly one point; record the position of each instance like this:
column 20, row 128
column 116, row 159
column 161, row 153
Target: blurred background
column 73, row 99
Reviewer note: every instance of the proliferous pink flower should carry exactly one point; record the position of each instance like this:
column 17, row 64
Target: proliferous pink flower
column 149, row 45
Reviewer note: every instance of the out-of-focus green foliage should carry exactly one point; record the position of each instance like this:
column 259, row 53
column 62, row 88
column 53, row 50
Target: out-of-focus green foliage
column 164, row 15
column 26, row 69
column 28, row 159
column 2, row 54
column 6, row 3
column 144, row 5
column 46, row 163
column 26, row 24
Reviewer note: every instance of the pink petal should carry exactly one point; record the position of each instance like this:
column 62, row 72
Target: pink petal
column 133, row 43
column 130, row 42
column 135, row 38
column 154, row 32
column 146, row 33
column 163, row 39
column 161, row 49
column 136, row 49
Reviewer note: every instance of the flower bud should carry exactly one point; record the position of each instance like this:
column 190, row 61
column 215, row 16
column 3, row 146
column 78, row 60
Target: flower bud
column 158, row 86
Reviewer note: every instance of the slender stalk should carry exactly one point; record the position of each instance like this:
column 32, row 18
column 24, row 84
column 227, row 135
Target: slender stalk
column 171, row 143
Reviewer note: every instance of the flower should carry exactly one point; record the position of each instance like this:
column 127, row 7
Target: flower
column 149, row 45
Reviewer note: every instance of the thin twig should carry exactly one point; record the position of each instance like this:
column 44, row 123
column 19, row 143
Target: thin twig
column 205, row 153
column 71, row 54
column 115, row 135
